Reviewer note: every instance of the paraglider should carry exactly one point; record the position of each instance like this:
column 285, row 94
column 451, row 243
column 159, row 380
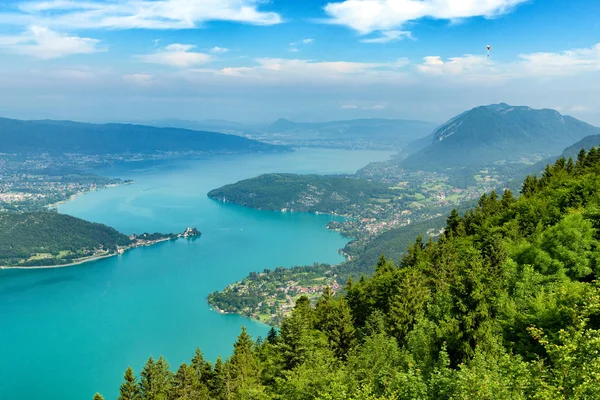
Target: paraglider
column 489, row 48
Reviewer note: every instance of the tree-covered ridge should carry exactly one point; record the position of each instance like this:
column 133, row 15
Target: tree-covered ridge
column 61, row 137
column 505, row 305
column 308, row 193
column 50, row 238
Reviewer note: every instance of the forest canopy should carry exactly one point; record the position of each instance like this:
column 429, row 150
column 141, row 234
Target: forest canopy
column 505, row 305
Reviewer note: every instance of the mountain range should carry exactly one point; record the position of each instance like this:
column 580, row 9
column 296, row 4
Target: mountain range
column 59, row 137
column 497, row 133
column 381, row 133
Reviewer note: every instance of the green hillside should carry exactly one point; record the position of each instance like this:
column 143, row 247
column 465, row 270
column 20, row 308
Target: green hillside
column 505, row 305
column 499, row 133
column 59, row 137
column 308, row 193
column 586, row 143
column 50, row 238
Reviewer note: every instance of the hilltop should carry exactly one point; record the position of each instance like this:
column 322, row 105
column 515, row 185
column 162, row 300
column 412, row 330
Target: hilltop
column 307, row 193
column 60, row 137
column 499, row 133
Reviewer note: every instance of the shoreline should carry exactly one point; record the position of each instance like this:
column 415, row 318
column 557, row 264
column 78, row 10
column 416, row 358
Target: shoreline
column 87, row 260
column 75, row 195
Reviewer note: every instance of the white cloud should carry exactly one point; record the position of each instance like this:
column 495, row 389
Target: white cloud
column 139, row 79
column 366, row 16
column 219, row 50
column 389, row 36
column 294, row 46
column 530, row 66
column 176, row 55
column 374, row 107
column 566, row 63
column 134, row 14
column 43, row 43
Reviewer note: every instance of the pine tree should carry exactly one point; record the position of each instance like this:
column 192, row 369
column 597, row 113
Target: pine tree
column 164, row 379
column 98, row 396
column 272, row 336
column 202, row 367
column 218, row 381
column 244, row 368
column 333, row 318
column 130, row 389
column 148, row 380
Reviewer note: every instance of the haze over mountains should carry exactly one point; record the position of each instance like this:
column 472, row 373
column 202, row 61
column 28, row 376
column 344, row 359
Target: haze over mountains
column 498, row 133
column 382, row 133
column 59, row 137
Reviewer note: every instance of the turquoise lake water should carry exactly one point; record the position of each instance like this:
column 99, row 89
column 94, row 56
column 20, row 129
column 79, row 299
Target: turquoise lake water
column 66, row 333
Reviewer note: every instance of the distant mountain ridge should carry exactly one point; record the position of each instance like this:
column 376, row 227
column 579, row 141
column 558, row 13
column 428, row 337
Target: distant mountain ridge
column 59, row 137
column 586, row 143
column 499, row 132
column 393, row 133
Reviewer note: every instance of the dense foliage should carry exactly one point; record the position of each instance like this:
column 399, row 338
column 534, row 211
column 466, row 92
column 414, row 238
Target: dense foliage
column 505, row 305
column 61, row 237
column 309, row 193
column 60, row 137
column 498, row 132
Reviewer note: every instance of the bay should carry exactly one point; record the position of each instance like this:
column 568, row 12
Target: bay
column 66, row 333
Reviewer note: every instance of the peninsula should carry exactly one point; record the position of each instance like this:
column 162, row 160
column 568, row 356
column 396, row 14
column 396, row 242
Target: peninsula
column 50, row 240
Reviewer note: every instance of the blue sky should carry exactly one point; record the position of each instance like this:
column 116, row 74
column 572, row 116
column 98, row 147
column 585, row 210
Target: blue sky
column 255, row 60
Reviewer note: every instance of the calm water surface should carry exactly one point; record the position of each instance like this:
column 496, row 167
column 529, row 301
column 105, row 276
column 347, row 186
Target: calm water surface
column 69, row 332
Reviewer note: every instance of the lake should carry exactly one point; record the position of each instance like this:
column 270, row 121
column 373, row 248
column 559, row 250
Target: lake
column 69, row 332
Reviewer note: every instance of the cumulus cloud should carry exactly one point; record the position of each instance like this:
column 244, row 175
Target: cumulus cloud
column 565, row 63
column 531, row 66
column 389, row 36
column 219, row 50
column 41, row 42
column 143, row 14
column 308, row 41
column 366, row 16
column 176, row 55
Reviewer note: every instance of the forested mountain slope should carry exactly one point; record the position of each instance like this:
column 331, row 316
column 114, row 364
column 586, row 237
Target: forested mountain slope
column 499, row 132
column 506, row 305
column 49, row 238
column 59, row 137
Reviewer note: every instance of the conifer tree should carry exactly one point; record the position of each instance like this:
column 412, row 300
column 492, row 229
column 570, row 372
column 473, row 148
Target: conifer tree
column 130, row 390
column 202, row 367
column 148, row 380
column 98, row 396
column 272, row 336
column 244, row 368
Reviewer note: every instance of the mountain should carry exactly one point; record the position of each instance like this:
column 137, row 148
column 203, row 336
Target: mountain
column 374, row 133
column 499, row 133
column 213, row 125
column 586, row 143
column 59, row 137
